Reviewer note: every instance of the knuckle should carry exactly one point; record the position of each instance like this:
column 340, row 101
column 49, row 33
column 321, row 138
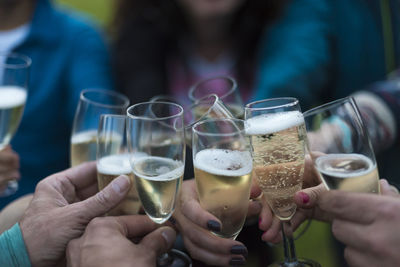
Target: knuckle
column 102, row 198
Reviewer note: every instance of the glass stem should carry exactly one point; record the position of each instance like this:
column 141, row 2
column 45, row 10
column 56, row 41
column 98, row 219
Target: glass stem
column 288, row 244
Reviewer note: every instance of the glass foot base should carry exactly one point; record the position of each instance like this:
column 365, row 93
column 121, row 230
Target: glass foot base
column 10, row 189
column 299, row 263
column 174, row 258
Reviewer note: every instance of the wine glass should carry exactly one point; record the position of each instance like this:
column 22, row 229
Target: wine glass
column 113, row 160
column 156, row 130
column 223, row 171
column 225, row 88
column 207, row 107
column 92, row 104
column 278, row 138
column 14, row 76
column 340, row 147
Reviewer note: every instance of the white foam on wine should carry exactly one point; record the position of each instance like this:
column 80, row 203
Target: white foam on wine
column 274, row 122
column 163, row 172
column 12, row 96
column 116, row 164
column 224, row 162
column 339, row 174
column 83, row 137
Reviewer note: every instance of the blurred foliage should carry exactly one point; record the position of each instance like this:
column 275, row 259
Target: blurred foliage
column 100, row 10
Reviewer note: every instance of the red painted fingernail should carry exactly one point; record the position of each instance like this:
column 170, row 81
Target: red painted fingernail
column 304, row 197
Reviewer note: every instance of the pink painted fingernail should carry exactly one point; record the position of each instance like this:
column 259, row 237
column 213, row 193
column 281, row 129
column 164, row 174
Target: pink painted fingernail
column 304, row 197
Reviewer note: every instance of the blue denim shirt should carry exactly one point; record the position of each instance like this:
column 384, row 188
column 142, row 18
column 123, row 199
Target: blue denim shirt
column 68, row 55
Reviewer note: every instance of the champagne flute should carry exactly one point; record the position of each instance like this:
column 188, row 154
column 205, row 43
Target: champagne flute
column 340, row 147
column 223, row 171
column 278, row 138
column 155, row 130
column 207, row 107
column 113, row 160
column 225, row 88
column 92, row 104
column 14, row 76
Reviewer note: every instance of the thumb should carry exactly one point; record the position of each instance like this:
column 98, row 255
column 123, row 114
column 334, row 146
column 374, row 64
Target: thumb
column 160, row 240
column 308, row 198
column 387, row 189
column 106, row 199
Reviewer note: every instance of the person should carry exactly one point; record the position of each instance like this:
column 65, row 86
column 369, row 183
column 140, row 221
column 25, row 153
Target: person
column 163, row 48
column 68, row 55
column 106, row 242
column 9, row 166
column 62, row 206
column 350, row 46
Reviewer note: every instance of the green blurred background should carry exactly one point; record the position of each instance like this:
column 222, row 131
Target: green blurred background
column 316, row 243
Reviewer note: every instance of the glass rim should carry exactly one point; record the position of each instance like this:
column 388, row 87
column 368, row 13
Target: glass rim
column 26, row 61
column 122, row 97
column 228, row 78
column 132, row 116
column 328, row 105
column 294, row 102
column 233, row 120
column 216, row 99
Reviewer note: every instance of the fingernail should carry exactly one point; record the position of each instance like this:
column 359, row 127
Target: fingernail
column 169, row 236
column 385, row 184
column 121, row 184
column 259, row 221
column 304, row 197
column 214, row 226
column 239, row 249
column 237, row 261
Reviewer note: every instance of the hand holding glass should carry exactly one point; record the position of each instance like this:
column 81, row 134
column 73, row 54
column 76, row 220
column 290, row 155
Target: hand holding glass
column 223, row 171
column 340, row 147
column 14, row 75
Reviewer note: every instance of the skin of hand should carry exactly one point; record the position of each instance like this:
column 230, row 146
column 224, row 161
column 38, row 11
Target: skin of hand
column 194, row 223
column 62, row 206
column 107, row 242
column 367, row 224
column 9, row 166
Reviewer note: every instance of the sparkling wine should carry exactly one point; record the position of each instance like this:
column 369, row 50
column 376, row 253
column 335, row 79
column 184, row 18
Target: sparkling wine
column 278, row 158
column 158, row 181
column 223, row 179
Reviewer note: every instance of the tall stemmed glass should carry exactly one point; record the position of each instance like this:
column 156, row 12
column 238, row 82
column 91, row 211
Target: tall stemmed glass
column 340, row 147
column 92, row 104
column 225, row 88
column 155, row 129
column 113, row 160
column 14, row 76
column 207, row 107
column 223, row 171
column 278, row 138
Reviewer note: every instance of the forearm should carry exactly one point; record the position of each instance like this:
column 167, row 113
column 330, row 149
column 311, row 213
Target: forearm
column 12, row 248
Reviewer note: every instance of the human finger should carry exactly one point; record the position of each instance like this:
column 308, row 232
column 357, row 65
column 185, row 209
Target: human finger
column 192, row 210
column 8, row 159
column 308, row 197
column 7, row 176
column 73, row 252
column 355, row 207
column 104, row 200
column 358, row 258
column 81, row 176
column 160, row 240
column 387, row 189
column 211, row 257
column 254, row 208
column 350, row 233
column 136, row 225
column 272, row 234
